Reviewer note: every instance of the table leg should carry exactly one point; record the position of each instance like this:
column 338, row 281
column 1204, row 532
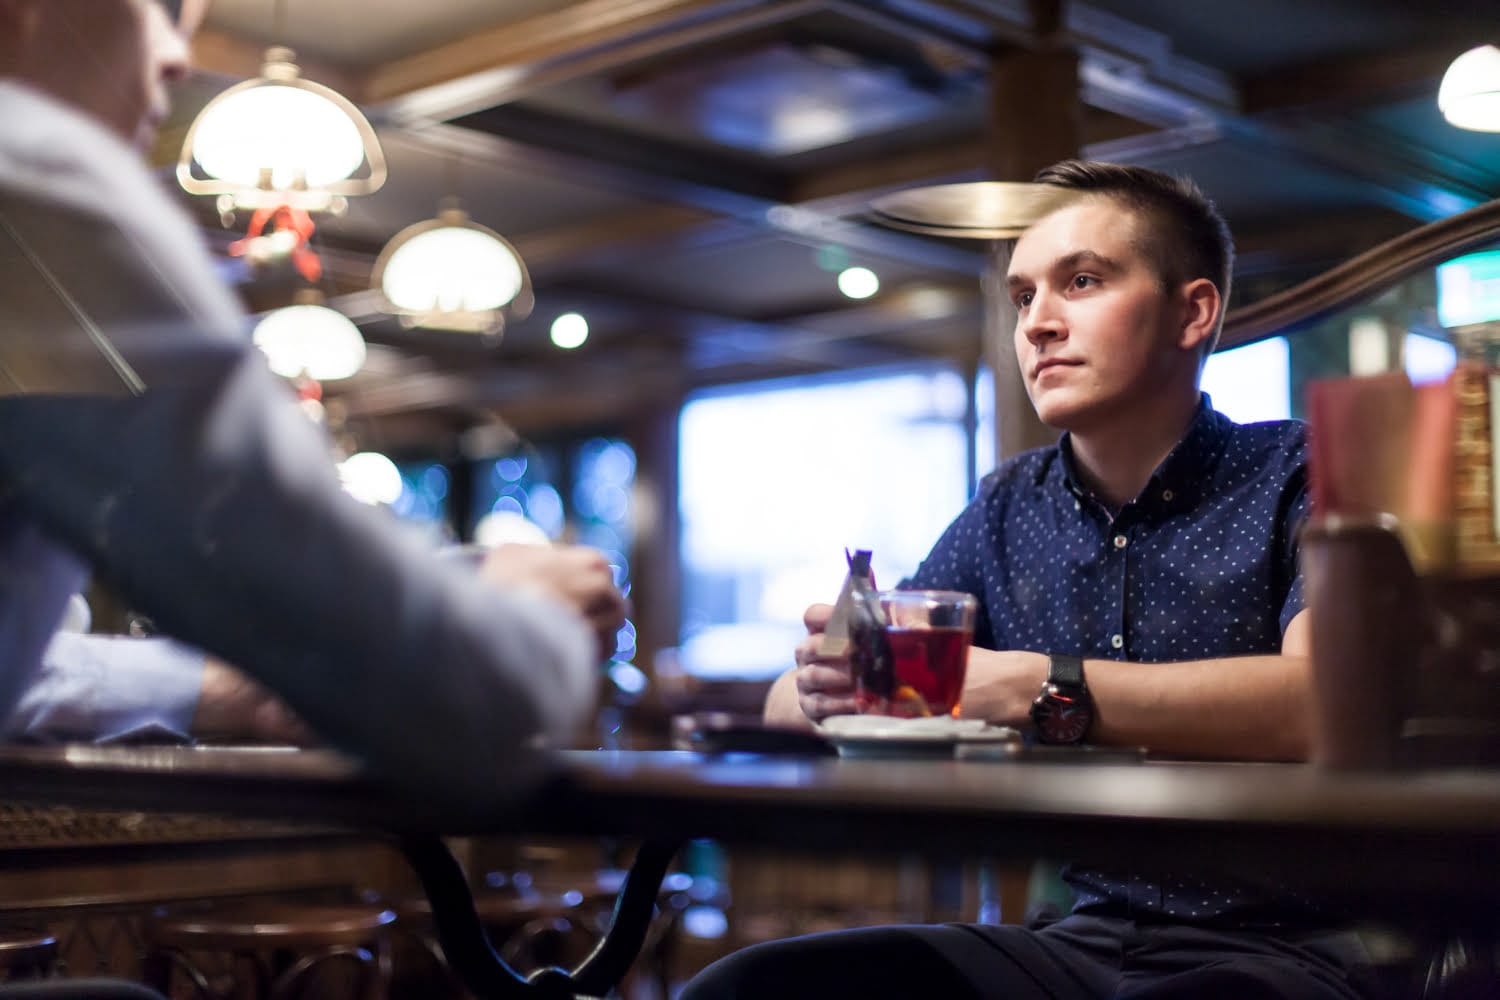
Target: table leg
column 607, row 965
column 474, row 959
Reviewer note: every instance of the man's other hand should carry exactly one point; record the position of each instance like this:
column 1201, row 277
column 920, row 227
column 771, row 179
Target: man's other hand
column 578, row 576
column 231, row 706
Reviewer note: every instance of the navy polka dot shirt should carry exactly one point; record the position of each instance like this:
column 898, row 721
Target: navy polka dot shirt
column 1201, row 565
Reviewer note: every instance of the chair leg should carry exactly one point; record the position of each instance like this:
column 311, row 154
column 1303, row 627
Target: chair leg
column 372, row 971
column 158, row 967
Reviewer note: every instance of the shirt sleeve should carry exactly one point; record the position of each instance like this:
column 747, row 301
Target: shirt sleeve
column 212, row 506
column 954, row 562
column 37, row 579
column 99, row 687
column 1298, row 511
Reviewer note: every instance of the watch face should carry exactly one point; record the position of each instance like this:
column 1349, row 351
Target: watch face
column 1061, row 719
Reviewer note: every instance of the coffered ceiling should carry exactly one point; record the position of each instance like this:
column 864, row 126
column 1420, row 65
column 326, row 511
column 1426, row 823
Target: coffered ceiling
column 685, row 172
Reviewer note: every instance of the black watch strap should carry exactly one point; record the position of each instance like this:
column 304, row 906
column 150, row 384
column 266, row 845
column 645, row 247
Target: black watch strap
column 1064, row 670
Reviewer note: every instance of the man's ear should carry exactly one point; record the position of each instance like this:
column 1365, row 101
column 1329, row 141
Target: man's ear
column 1201, row 304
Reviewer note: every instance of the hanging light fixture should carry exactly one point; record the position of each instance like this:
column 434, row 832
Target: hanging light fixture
column 281, row 140
column 371, row 478
column 1469, row 96
column 309, row 340
column 450, row 273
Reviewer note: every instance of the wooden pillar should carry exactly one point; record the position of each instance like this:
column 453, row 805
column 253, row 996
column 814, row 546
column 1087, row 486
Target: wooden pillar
column 1035, row 120
column 656, row 578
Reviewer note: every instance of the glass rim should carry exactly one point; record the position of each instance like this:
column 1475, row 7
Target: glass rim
column 933, row 596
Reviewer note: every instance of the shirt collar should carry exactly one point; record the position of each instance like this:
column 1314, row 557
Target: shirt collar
column 1185, row 469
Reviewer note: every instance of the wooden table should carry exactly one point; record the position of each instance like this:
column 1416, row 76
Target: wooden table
column 1415, row 845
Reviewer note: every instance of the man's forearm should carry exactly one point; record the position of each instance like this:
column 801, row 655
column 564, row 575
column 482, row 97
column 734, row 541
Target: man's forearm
column 1245, row 708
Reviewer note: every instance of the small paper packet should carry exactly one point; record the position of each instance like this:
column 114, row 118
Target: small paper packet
column 835, row 641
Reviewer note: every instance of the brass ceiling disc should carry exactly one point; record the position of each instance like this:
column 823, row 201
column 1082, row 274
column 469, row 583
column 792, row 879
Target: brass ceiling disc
column 981, row 210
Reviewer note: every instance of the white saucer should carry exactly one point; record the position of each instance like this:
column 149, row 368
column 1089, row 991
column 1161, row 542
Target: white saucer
column 877, row 736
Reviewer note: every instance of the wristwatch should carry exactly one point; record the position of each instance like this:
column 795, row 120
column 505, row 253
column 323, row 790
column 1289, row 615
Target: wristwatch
column 1064, row 710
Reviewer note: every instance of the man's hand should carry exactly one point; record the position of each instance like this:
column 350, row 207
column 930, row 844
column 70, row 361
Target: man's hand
column 578, row 576
column 231, row 706
column 819, row 686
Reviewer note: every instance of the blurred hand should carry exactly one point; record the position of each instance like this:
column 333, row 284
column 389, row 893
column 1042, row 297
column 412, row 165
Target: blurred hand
column 578, row 576
column 231, row 706
column 823, row 685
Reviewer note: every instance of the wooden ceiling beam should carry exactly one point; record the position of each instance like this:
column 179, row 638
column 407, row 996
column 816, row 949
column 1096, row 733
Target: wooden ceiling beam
column 713, row 183
column 221, row 54
column 1300, row 244
column 506, row 62
column 562, row 247
column 1347, row 86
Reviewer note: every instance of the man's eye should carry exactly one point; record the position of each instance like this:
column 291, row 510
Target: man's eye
column 1084, row 281
column 1022, row 300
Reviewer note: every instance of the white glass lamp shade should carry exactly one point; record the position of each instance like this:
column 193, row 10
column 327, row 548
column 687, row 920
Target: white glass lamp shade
column 310, row 339
column 1469, row 96
column 371, row 478
column 299, row 137
column 281, row 138
column 450, row 273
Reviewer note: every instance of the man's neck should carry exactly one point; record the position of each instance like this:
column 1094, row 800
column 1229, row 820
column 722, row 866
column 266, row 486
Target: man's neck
column 1116, row 458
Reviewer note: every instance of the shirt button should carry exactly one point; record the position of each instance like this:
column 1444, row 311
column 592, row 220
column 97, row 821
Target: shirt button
column 1120, row 541
column 1117, row 640
column 1167, row 495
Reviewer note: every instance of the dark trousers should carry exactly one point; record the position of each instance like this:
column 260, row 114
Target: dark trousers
column 1077, row 958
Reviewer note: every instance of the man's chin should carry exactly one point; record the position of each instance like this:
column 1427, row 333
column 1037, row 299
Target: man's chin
column 1059, row 414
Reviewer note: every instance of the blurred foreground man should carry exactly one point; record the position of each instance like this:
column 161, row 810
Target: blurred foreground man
column 1138, row 586
column 142, row 434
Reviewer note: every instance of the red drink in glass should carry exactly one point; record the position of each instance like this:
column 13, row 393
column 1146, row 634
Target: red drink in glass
column 912, row 661
column 930, row 667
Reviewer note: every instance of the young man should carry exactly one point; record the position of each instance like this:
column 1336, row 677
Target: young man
column 1138, row 585
column 142, row 433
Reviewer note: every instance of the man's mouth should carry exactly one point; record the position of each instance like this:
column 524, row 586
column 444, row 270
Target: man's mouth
column 1048, row 363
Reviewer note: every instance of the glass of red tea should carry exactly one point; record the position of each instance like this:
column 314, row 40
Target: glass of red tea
column 923, row 653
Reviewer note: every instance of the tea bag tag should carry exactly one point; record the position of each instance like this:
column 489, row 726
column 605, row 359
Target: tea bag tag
column 835, row 640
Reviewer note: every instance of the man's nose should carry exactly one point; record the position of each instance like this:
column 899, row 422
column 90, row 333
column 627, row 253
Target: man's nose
column 1041, row 321
column 176, row 60
column 171, row 48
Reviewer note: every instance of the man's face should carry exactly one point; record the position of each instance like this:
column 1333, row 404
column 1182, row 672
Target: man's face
column 1097, row 332
column 112, row 59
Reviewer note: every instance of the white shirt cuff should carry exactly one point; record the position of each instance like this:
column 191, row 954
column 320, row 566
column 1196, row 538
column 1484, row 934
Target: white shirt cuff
column 103, row 687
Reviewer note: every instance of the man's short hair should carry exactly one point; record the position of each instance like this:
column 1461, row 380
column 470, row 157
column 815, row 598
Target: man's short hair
column 1184, row 238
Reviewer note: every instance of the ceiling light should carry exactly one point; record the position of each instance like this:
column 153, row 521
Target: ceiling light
column 280, row 139
column 1469, row 96
column 308, row 339
column 570, row 330
column 371, row 478
column 450, row 273
column 858, row 282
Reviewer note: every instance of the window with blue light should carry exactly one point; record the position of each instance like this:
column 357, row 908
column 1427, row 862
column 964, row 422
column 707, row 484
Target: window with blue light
column 1468, row 289
column 777, row 479
column 424, row 497
column 578, row 491
column 1251, row 383
column 516, row 498
column 1427, row 359
column 603, row 480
